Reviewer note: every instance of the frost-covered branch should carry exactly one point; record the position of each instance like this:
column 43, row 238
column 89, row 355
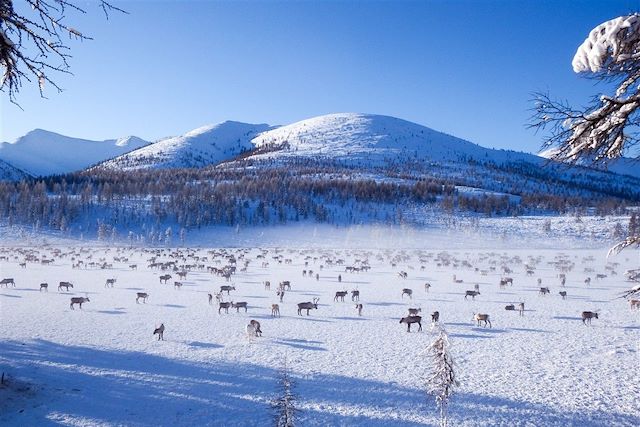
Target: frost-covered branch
column 33, row 46
column 605, row 129
column 442, row 381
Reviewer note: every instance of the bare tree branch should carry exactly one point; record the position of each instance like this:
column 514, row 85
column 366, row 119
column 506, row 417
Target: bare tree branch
column 34, row 47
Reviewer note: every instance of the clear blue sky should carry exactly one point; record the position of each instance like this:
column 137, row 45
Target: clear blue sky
column 467, row 68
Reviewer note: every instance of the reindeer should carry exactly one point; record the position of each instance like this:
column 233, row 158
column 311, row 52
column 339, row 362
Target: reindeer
column 587, row 316
column 634, row 304
column 471, row 294
column 109, row 283
column 414, row 311
column 79, row 301
column 482, row 318
column 427, row 286
column 165, row 278
column 600, row 276
column 227, row 288
column 7, row 282
column 476, row 288
column 456, row 280
column 339, row 278
column 255, row 325
column 359, row 308
column 408, row 292
column 403, row 275
column 65, row 285
column 521, row 308
column 280, row 294
column 587, row 281
column 210, row 299
column 267, row 285
column 544, row 291
column 563, row 294
column 44, row 286
column 142, row 295
column 285, row 285
column 275, row 310
column 409, row 320
column 341, row 295
column 133, row 266
column 177, row 285
column 435, row 317
column 23, row 264
column 224, row 305
column 160, row 332
column 355, row 295
column 182, row 274
column 308, row 306
column 510, row 307
column 239, row 305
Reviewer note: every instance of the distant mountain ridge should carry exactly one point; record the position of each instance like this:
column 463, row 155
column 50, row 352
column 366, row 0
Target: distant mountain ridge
column 42, row 153
column 198, row 148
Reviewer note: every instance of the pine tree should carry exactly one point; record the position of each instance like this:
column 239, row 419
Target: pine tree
column 442, row 381
column 284, row 405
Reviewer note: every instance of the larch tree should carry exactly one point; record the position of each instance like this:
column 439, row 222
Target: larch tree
column 606, row 129
column 441, row 382
column 34, row 41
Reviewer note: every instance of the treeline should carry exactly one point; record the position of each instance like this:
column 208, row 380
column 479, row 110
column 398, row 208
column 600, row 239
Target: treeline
column 243, row 193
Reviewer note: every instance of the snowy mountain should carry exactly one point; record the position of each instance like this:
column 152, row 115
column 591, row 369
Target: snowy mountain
column 42, row 153
column 366, row 137
column 623, row 166
column 201, row 147
column 11, row 173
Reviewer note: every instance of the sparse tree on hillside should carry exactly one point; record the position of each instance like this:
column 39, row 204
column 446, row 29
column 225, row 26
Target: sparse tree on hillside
column 606, row 129
column 34, row 41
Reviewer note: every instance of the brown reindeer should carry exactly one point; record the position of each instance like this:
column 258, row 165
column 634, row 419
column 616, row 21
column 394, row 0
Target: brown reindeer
column 544, row 291
column 7, row 282
column 275, row 310
column 109, row 283
column 44, row 286
column 65, row 285
column 177, row 285
column 165, row 278
column 587, row 316
column 635, row 304
column 224, row 305
column 307, row 306
column 359, row 308
column 227, row 288
column 142, row 295
column 427, row 286
column 471, row 294
column 435, row 317
column 521, row 308
column 414, row 311
column 340, row 295
column 355, row 295
column 267, row 285
column 79, row 301
column 409, row 320
column 239, row 305
column 407, row 291
column 563, row 294
column 482, row 318
column 160, row 332
column 256, row 327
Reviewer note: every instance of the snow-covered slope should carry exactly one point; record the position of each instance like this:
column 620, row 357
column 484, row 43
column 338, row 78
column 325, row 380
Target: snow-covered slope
column 372, row 138
column 41, row 152
column 200, row 147
column 10, row 173
column 623, row 166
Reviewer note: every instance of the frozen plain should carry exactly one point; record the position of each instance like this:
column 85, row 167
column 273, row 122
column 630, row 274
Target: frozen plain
column 101, row 366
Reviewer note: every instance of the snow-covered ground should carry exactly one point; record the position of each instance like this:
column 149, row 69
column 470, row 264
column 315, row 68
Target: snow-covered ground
column 102, row 366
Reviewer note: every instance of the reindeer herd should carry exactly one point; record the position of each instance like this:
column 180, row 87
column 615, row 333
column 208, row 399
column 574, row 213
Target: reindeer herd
column 330, row 270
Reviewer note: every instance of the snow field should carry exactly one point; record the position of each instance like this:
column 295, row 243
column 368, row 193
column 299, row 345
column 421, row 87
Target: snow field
column 102, row 366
